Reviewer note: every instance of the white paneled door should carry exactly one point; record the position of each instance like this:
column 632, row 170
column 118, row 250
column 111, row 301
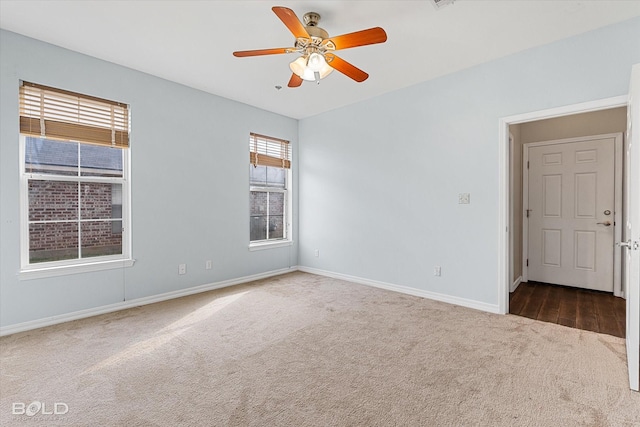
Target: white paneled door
column 631, row 244
column 571, row 204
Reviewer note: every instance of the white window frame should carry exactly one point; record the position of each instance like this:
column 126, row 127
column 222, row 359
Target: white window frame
column 287, row 190
column 72, row 266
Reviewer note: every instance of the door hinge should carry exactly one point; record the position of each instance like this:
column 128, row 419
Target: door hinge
column 629, row 244
column 527, row 262
column 527, row 164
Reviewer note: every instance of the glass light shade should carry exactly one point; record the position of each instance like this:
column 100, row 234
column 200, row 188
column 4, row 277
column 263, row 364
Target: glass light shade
column 299, row 66
column 303, row 69
column 316, row 62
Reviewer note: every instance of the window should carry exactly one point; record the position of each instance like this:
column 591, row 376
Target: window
column 269, row 192
column 74, row 180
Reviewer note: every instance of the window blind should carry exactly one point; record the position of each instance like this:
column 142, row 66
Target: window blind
column 58, row 114
column 268, row 151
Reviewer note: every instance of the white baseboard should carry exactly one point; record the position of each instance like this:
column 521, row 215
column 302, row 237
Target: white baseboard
column 53, row 320
column 491, row 308
column 67, row 317
column 515, row 284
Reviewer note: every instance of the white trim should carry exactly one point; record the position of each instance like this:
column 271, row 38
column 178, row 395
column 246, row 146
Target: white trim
column 617, row 216
column 63, row 270
column 503, row 179
column 53, row 320
column 287, row 209
column 503, row 218
column 515, row 284
column 269, row 245
column 567, row 110
column 525, row 208
column 510, row 226
column 618, row 225
column 477, row 305
column 81, row 265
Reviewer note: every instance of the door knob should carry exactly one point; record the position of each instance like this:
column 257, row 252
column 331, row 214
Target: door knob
column 606, row 223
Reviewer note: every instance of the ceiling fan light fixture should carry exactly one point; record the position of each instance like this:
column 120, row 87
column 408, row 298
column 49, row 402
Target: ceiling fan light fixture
column 316, row 62
column 306, row 66
column 298, row 66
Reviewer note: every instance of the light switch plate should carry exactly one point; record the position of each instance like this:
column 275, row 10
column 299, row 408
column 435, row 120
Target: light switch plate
column 464, row 198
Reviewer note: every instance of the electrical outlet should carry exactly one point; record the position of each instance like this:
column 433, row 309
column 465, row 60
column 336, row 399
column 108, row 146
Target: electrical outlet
column 464, row 198
column 316, row 253
column 437, row 271
column 182, row 269
column 209, row 264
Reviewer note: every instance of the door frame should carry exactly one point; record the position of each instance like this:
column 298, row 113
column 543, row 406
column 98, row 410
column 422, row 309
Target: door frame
column 617, row 216
column 504, row 189
column 511, row 266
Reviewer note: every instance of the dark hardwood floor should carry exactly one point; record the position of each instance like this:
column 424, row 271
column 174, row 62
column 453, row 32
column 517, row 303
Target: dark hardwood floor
column 574, row 307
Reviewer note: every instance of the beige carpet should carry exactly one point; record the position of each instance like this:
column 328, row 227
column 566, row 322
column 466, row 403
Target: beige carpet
column 305, row 350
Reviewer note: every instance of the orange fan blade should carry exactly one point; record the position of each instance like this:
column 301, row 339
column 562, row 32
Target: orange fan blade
column 289, row 18
column 295, row 80
column 345, row 68
column 243, row 53
column 359, row 38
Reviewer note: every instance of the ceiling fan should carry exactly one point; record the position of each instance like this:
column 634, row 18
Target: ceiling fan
column 316, row 48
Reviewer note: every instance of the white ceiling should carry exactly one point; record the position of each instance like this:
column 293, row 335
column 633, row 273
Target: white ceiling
column 191, row 42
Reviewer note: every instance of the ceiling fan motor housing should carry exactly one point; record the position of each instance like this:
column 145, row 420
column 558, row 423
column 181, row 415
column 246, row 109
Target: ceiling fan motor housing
column 311, row 20
column 317, row 32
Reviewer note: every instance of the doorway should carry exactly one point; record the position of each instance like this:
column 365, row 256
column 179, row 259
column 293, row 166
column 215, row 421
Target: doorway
column 604, row 116
column 547, row 141
column 558, row 123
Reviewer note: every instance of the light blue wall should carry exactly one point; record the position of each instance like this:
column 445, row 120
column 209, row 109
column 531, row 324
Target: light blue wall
column 380, row 179
column 189, row 179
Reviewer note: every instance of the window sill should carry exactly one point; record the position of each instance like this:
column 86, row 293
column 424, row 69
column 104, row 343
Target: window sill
column 269, row 245
column 41, row 273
